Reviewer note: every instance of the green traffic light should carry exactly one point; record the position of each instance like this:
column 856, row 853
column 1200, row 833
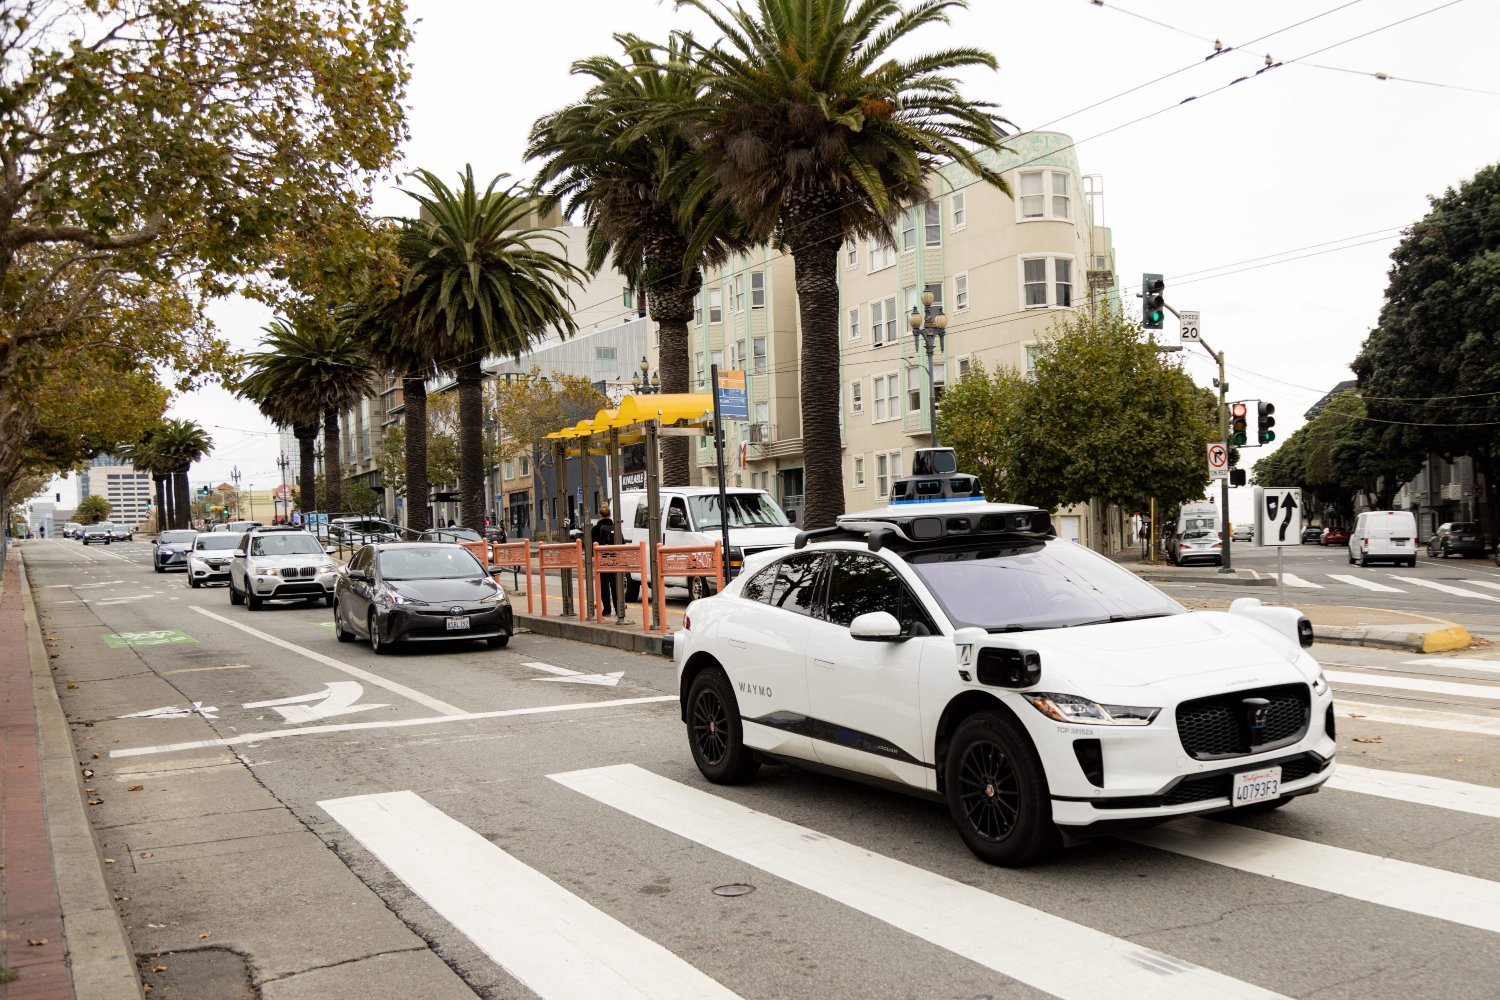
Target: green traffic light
column 1239, row 439
column 1266, row 437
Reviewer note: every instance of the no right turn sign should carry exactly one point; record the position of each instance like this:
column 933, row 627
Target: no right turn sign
column 1218, row 461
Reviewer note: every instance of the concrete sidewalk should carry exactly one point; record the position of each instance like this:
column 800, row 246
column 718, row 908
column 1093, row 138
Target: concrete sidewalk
column 60, row 934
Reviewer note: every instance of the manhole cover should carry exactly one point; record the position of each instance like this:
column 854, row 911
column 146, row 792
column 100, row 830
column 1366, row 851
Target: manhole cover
column 737, row 889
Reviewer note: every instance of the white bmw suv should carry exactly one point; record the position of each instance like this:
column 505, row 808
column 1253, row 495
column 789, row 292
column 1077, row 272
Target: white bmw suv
column 280, row 563
column 960, row 650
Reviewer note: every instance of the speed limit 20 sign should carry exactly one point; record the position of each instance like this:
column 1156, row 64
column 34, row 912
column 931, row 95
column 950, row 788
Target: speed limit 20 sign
column 1192, row 332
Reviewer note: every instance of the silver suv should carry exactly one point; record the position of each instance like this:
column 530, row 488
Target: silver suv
column 280, row 564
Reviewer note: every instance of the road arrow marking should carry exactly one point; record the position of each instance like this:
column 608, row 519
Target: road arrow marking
column 566, row 676
column 174, row 712
column 339, row 699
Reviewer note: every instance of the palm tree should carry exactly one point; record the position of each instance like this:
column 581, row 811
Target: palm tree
column 814, row 133
column 607, row 160
column 300, row 414
column 327, row 369
column 480, row 284
column 178, row 444
column 143, row 454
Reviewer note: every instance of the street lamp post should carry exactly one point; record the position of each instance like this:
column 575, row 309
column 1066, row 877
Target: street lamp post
column 646, row 381
column 234, row 474
column 928, row 326
column 283, row 463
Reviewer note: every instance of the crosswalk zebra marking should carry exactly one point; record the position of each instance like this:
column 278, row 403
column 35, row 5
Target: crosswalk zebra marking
column 1068, row 960
column 1467, row 663
column 1360, row 581
column 1402, row 885
column 546, row 937
column 1393, row 715
column 1484, row 583
column 1422, row 789
column 1455, row 689
column 1293, row 580
column 1445, row 588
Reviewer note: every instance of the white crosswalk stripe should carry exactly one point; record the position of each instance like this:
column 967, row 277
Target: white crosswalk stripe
column 1293, row 580
column 1432, row 892
column 1423, row 789
column 548, row 938
column 1343, row 679
column 1445, row 588
column 1063, row 958
column 1453, row 722
column 1360, row 581
column 1492, row 584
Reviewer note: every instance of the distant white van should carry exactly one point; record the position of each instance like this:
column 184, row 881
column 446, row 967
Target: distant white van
column 1386, row 535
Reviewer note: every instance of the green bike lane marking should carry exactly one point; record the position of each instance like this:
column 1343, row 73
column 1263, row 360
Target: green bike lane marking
column 155, row 637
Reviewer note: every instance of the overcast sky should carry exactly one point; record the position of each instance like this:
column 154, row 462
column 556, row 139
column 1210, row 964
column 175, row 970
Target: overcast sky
column 1304, row 160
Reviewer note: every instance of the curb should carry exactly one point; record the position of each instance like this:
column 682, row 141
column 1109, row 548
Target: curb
column 557, row 628
column 1435, row 638
column 100, row 958
column 1158, row 574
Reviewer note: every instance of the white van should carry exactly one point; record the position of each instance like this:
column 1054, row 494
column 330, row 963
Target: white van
column 1389, row 535
column 690, row 515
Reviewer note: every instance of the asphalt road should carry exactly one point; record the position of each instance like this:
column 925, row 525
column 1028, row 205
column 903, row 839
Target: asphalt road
column 459, row 821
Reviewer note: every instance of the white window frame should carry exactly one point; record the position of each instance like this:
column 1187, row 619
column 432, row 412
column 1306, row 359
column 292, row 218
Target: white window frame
column 932, row 219
column 715, row 358
column 857, row 473
column 763, row 414
column 887, row 471
column 1072, row 282
column 882, row 255
column 757, row 289
column 891, row 398
column 1045, row 283
column 1047, row 194
column 939, row 382
column 854, row 324
column 961, row 292
column 857, row 396
column 964, row 364
column 738, row 294
column 909, row 231
column 960, row 211
column 702, row 379
column 1029, row 350
column 716, row 304
column 851, row 258
column 606, row 359
column 1049, row 281
column 759, row 355
column 915, row 378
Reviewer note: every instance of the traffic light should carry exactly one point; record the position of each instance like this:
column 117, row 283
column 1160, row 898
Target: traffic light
column 1264, row 421
column 203, row 491
column 1154, row 306
column 1238, row 413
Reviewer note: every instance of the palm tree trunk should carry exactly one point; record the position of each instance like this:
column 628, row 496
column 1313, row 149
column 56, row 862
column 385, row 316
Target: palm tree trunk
column 333, row 467
column 471, row 443
column 181, row 503
column 671, row 304
column 307, row 465
column 162, row 511
column 822, row 451
column 414, row 404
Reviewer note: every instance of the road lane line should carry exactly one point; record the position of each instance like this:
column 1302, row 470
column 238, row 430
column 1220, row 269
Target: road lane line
column 328, row 661
column 1400, row 885
column 1360, row 581
column 1489, row 666
column 1393, row 715
column 1452, row 688
column 1484, row 583
column 555, row 943
column 1068, row 960
column 1423, row 789
column 345, row 727
column 1456, row 591
column 1293, row 580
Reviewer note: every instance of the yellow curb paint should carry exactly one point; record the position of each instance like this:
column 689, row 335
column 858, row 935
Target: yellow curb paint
column 1446, row 640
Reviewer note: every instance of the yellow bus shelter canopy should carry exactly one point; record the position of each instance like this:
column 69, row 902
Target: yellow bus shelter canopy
column 691, row 409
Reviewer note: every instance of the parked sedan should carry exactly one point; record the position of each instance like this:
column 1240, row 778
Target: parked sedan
column 1456, row 538
column 420, row 592
column 1334, row 536
column 1197, row 545
column 170, row 549
column 97, row 534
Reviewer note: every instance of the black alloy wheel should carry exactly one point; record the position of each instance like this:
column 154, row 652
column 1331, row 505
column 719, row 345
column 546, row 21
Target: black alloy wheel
column 378, row 646
column 498, row 641
column 235, row 597
column 191, row 581
column 997, row 792
column 714, row 731
column 698, row 588
column 339, row 631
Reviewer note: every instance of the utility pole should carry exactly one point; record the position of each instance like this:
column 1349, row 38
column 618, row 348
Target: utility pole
column 234, row 474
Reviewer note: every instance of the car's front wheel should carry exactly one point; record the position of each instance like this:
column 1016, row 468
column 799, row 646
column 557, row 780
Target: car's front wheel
column 997, row 793
column 498, row 641
column 235, row 597
column 254, row 602
column 192, row 582
column 698, row 588
column 378, row 646
column 339, row 631
column 714, row 731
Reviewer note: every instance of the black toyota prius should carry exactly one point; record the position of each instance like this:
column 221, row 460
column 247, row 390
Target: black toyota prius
column 396, row 592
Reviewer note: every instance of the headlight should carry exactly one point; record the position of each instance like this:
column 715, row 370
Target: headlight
column 265, row 571
column 327, row 566
column 1071, row 708
column 166, row 552
column 498, row 597
column 1320, row 683
column 391, row 597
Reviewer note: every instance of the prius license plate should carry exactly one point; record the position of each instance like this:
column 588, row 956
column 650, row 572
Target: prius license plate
column 458, row 624
column 1256, row 786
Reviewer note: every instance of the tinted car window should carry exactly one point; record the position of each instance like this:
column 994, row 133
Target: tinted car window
column 446, row 562
column 795, row 587
column 176, row 537
column 859, row 584
column 1463, row 527
column 221, row 541
column 289, row 544
column 762, row 585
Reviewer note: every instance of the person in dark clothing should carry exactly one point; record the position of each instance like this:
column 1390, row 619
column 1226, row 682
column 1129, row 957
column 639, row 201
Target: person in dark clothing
column 603, row 533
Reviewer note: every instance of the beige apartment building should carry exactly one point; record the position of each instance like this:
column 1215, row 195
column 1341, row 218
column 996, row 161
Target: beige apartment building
column 1002, row 268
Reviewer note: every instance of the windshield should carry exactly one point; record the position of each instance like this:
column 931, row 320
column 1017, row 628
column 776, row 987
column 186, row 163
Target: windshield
column 451, row 535
column 219, row 540
column 292, row 543
column 1469, row 526
column 1031, row 586
column 438, row 562
column 1199, row 533
column 177, row 537
column 746, row 510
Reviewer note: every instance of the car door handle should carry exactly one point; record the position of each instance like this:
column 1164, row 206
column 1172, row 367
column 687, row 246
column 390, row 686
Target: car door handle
column 824, row 663
column 736, row 644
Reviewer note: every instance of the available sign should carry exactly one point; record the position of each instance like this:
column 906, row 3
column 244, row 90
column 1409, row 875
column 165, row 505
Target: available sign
column 733, row 403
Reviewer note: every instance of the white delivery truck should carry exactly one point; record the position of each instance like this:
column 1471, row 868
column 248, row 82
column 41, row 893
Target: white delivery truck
column 1387, row 535
column 692, row 515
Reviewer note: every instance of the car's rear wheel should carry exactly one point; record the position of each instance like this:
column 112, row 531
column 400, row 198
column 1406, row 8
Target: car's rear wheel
column 1412, row 562
column 378, row 646
column 339, row 631
column 997, row 792
column 235, row 597
column 714, row 731
column 698, row 588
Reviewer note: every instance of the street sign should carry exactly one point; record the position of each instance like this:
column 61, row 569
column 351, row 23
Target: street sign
column 1191, row 331
column 1278, row 516
column 1218, row 460
column 733, row 404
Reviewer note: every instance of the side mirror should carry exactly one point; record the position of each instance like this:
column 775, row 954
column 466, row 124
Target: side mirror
column 359, row 575
column 496, row 570
column 791, row 517
column 877, row 626
column 329, row 550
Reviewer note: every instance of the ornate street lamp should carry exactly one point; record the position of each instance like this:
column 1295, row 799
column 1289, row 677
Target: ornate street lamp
column 928, row 326
column 646, row 381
